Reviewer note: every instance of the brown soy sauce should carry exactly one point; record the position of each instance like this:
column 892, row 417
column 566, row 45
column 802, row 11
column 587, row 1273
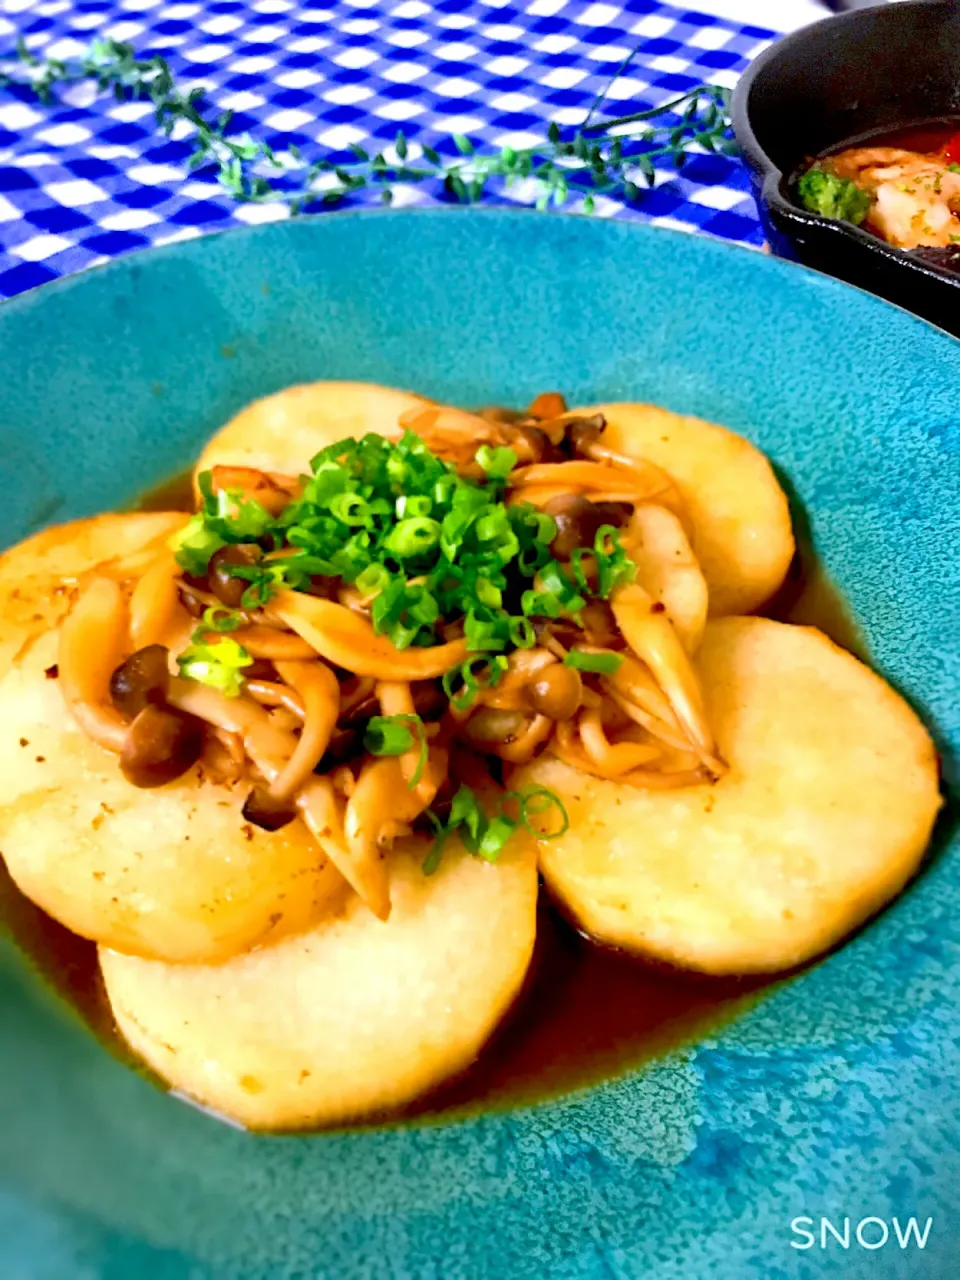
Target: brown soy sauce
column 809, row 598
column 175, row 494
column 587, row 1013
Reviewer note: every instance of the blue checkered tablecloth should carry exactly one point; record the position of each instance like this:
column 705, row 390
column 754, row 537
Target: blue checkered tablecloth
column 88, row 178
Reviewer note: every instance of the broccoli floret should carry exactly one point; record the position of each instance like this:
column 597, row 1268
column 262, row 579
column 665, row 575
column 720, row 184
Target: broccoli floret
column 824, row 193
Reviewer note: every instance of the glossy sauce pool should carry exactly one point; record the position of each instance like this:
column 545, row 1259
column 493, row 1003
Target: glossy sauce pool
column 587, row 1013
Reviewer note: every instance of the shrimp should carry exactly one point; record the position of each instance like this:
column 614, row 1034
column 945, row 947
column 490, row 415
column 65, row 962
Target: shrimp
column 916, row 197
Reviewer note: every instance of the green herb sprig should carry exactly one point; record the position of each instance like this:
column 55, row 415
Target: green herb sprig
column 609, row 157
column 219, row 665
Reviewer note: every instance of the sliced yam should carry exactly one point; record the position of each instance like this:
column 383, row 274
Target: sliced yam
column 742, row 534
column 38, row 577
column 669, row 572
column 824, row 814
column 281, row 433
column 356, row 1016
column 174, row 873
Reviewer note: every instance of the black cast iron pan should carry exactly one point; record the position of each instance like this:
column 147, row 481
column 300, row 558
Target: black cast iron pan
column 848, row 76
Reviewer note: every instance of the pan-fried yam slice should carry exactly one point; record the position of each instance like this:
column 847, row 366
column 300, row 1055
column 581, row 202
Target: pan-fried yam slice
column 742, row 535
column 823, row 816
column 174, row 872
column 354, row 1017
column 38, row 577
column 282, row 432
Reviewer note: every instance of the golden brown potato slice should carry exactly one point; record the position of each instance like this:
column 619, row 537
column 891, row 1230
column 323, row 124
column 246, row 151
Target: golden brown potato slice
column 174, row 872
column 741, row 522
column 282, row 432
column 354, row 1017
column 669, row 572
column 823, row 816
column 38, row 576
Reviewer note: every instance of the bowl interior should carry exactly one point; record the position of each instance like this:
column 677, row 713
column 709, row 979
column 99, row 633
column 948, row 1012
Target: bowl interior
column 109, row 383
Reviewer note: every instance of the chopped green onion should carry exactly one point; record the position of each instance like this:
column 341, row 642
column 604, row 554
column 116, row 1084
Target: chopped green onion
column 488, row 593
column 219, row 618
column 498, row 832
column 522, row 633
column 426, row 546
column 486, row 836
column 497, row 463
column 264, row 578
column 230, row 513
column 404, row 613
column 532, row 557
column 604, row 664
column 412, row 537
column 535, row 530
column 529, row 808
column 373, row 578
column 351, row 509
column 614, row 566
column 385, row 737
column 462, row 698
column 194, row 545
column 466, row 811
column 422, row 543
column 555, row 596
column 555, row 582
column 219, row 665
column 485, row 629
column 540, row 604
column 390, row 736
column 579, row 573
column 413, row 506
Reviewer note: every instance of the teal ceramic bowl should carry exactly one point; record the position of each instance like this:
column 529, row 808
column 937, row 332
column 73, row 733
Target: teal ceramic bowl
column 837, row 1094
